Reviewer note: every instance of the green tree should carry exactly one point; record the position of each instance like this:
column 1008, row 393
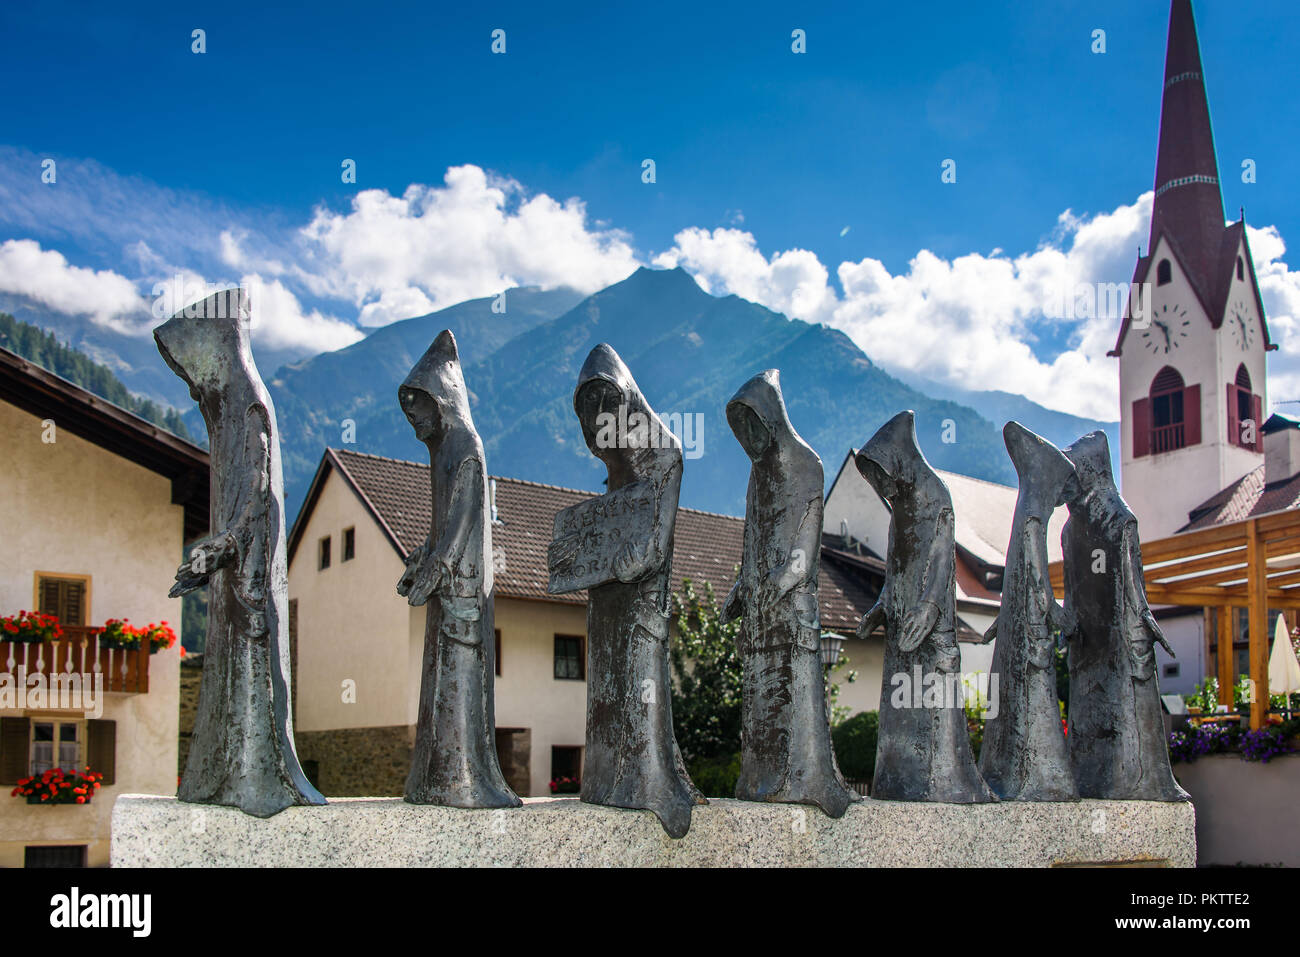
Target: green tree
column 42, row 348
column 855, row 742
column 706, row 692
column 194, row 621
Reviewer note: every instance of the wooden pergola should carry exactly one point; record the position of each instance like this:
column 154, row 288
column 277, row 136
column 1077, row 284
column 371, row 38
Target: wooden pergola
column 1252, row 564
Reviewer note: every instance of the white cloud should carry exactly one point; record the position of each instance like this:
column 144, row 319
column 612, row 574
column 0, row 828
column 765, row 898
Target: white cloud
column 728, row 261
column 969, row 321
column 435, row 246
column 1279, row 287
column 46, row 276
column 974, row 321
column 280, row 321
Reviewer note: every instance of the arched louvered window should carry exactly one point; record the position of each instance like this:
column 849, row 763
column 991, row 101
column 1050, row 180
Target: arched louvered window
column 1167, row 379
column 1169, row 417
column 1241, row 268
column 1164, row 272
column 1244, row 408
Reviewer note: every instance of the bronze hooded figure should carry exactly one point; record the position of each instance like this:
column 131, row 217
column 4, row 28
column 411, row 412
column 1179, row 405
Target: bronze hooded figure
column 632, row 759
column 1024, row 755
column 242, row 753
column 454, row 762
column 1117, row 732
column 785, row 741
column 923, row 751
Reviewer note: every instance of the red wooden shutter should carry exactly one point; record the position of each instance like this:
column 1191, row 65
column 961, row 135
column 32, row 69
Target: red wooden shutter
column 101, row 748
column 1234, row 426
column 1192, row 415
column 14, row 735
column 1257, row 410
column 1141, row 427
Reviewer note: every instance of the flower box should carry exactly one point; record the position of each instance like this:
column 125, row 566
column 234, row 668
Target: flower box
column 29, row 628
column 120, row 636
column 566, row 785
column 59, row 787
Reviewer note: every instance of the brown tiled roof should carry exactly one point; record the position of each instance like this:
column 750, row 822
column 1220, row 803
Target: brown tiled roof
column 869, row 567
column 707, row 546
column 1245, row 498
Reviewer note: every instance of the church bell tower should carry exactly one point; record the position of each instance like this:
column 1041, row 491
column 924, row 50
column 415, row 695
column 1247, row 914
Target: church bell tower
column 1192, row 343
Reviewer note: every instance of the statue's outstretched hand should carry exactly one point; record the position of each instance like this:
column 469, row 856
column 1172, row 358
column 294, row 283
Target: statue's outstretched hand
column 428, row 579
column 413, row 563
column 1153, row 628
column 991, row 633
column 734, row 606
column 205, row 558
column 917, row 624
column 633, row 561
column 874, row 617
column 1062, row 618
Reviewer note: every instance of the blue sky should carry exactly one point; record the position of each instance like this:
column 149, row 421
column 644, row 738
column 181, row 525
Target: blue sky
column 746, row 135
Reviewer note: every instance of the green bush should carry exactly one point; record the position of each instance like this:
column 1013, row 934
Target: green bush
column 855, row 745
column 716, row 777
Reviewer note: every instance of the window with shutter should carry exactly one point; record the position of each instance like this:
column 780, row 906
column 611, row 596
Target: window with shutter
column 56, row 743
column 1168, row 411
column 1141, row 428
column 15, row 734
column 1234, row 421
column 63, row 597
column 1192, row 414
column 101, row 748
column 570, row 662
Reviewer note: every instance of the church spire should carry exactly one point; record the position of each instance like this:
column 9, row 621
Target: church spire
column 1188, row 205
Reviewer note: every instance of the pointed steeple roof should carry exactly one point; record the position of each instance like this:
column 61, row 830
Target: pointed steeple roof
column 1188, row 208
column 1188, row 204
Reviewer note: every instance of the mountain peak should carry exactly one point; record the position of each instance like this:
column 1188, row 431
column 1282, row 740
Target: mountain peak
column 663, row 277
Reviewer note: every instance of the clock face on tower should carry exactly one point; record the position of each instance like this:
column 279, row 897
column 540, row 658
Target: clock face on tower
column 1241, row 325
column 1168, row 328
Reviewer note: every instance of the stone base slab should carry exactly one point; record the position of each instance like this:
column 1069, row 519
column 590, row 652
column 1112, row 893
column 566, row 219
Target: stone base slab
column 153, row 831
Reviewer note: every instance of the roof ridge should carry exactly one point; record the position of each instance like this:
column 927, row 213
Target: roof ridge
column 372, row 455
column 24, row 363
column 522, row 481
column 972, row 478
column 366, row 500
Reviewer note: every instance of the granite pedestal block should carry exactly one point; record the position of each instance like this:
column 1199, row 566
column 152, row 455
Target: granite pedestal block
column 563, row 832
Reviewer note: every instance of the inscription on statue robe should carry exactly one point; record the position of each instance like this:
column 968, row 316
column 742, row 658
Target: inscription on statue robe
column 587, row 537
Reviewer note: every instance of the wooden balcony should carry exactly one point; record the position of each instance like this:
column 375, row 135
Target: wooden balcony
column 78, row 652
column 1166, row 438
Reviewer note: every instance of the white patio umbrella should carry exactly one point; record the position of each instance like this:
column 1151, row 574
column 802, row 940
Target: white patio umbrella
column 1283, row 668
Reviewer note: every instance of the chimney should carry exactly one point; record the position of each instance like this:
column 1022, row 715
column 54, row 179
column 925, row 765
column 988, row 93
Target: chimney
column 1281, row 449
column 492, row 502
